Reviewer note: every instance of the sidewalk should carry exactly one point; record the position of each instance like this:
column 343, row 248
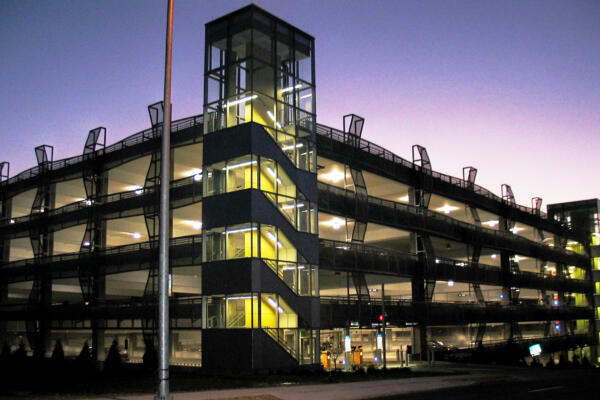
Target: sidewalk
column 336, row 391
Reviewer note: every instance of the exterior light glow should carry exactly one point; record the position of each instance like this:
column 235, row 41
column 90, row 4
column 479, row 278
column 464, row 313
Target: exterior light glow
column 289, row 89
column 86, row 244
column 198, row 177
column 136, row 235
column 12, row 221
column 137, row 188
column 494, row 256
column 447, row 208
column 451, row 283
column 334, row 176
column 242, row 100
column 404, row 199
column 516, row 230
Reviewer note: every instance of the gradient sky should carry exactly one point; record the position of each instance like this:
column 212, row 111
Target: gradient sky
column 510, row 87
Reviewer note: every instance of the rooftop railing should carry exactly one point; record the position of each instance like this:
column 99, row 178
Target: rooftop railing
column 133, row 140
column 371, row 148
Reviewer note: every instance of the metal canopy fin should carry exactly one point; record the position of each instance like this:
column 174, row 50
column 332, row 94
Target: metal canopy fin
column 96, row 140
column 4, row 170
column 353, row 124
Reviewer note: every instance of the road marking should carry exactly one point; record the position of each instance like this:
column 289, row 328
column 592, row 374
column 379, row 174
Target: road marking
column 545, row 389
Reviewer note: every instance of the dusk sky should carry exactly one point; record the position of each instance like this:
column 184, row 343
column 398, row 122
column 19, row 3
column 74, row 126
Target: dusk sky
column 510, row 87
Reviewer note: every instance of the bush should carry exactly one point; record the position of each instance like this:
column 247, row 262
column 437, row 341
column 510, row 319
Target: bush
column 58, row 354
column 150, row 358
column 84, row 363
column 113, row 362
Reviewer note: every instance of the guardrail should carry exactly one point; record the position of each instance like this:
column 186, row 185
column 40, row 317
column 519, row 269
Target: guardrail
column 434, row 215
column 128, row 248
column 101, row 200
column 135, row 139
column 378, row 151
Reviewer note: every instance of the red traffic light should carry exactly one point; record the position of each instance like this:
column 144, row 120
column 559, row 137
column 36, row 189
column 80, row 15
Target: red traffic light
column 381, row 317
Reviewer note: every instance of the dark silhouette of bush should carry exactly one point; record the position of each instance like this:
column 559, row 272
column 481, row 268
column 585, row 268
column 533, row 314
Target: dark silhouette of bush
column 150, row 357
column 58, row 354
column 113, row 362
column 585, row 363
column 5, row 356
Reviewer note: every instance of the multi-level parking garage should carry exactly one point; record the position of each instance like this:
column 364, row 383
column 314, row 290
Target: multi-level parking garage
column 287, row 236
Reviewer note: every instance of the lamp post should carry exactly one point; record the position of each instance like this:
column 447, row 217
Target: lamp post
column 163, row 268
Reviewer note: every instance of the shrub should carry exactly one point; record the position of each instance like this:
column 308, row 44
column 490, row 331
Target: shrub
column 113, row 362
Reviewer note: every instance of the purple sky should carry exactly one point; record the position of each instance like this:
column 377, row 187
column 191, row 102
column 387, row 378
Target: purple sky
column 510, row 87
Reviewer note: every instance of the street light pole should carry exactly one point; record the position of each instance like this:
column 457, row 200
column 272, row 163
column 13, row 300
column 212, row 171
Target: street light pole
column 163, row 268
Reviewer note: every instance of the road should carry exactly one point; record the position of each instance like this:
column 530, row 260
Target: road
column 530, row 385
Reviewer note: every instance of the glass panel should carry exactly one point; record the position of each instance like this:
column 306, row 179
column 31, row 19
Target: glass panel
column 268, row 310
column 240, row 45
column 239, row 241
column 287, row 251
column 287, row 317
column 268, row 242
column 239, row 173
column 215, row 315
column 215, row 182
column 215, row 244
column 239, row 311
column 262, row 47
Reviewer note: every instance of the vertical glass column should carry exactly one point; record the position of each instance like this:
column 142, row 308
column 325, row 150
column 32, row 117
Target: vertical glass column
column 260, row 69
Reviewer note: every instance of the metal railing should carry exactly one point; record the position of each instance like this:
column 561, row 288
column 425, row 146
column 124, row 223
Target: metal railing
column 274, row 334
column 118, row 250
column 378, row 202
column 133, row 140
column 101, row 200
column 378, row 151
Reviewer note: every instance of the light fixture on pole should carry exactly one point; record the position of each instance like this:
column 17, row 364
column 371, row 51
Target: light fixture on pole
column 163, row 239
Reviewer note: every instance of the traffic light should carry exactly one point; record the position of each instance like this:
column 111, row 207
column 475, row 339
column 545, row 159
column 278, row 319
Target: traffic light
column 380, row 317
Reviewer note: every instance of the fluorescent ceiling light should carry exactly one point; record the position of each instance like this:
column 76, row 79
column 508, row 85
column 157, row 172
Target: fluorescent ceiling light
column 242, row 100
column 491, row 223
column 289, row 89
column 274, row 175
column 273, row 238
column 447, row 208
column 335, row 175
column 335, row 223
column 197, row 225
column 289, row 206
column 239, row 230
column 242, row 164
column 516, row 230
column 138, row 189
column 290, row 147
